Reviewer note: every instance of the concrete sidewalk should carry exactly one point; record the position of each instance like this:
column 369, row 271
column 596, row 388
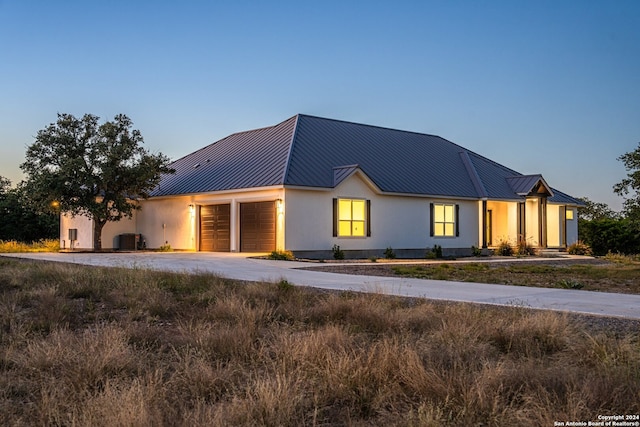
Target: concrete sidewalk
column 241, row 267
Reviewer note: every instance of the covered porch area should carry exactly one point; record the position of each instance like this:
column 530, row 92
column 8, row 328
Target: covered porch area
column 531, row 219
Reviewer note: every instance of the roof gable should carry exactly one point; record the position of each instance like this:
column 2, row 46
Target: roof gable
column 529, row 185
column 342, row 173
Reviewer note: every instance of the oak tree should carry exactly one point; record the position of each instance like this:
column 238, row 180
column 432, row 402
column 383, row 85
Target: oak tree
column 97, row 170
column 629, row 188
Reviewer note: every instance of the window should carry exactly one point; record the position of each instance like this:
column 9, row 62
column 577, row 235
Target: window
column 569, row 213
column 443, row 220
column 351, row 218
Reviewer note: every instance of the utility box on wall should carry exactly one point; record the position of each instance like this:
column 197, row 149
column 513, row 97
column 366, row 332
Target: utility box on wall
column 73, row 234
column 130, row 242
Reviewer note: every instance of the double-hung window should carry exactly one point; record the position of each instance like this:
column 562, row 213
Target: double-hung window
column 444, row 220
column 351, row 218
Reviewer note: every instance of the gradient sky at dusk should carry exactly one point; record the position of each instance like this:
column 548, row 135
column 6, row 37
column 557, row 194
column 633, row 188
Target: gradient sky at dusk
column 549, row 87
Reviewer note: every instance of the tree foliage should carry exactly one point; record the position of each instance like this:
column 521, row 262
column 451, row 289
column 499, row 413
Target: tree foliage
column 100, row 171
column 595, row 210
column 22, row 220
column 617, row 235
column 629, row 188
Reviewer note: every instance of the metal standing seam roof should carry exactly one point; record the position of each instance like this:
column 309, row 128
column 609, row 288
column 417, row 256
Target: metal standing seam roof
column 524, row 185
column 310, row 151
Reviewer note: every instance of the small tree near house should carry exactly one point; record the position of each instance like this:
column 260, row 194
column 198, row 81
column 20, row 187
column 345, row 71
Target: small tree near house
column 100, row 171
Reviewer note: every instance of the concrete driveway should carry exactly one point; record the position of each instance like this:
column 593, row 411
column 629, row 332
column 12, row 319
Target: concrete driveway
column 241, row 267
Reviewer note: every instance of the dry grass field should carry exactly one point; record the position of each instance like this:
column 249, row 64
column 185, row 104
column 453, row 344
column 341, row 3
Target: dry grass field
column 113, row 347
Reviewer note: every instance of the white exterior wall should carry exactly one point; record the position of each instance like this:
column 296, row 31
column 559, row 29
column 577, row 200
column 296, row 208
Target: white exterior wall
column 175, row 220
column 400, row 222
column 85, row 231
column 84, row 225
column 555, row 226
column 531, row 220
column 572, row 227
column 505, row 222
column 167, row 221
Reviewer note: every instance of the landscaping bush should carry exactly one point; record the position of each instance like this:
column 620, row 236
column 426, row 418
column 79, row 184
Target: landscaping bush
column 434, row 253
column 281, row 256
column 389, row 254
column 504, row 248
column 524, row 248
column 579, row 248
column 337, row 252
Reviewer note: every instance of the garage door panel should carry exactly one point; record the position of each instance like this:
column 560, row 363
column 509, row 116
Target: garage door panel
column 257, row 227
column 215, row 228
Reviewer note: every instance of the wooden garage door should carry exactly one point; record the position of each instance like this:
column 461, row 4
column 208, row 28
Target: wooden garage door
column 215, row 226
column 258, row 227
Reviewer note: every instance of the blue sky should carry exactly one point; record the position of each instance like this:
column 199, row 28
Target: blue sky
column 549, row 87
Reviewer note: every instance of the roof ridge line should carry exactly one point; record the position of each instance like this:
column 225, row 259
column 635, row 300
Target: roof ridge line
column 293, row 139
column 371, row 126
column 473, row 174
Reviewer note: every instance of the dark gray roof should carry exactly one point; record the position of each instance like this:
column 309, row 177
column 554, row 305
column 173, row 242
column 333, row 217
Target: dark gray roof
column 310, row 151
column 250, row 159
column 525, row 185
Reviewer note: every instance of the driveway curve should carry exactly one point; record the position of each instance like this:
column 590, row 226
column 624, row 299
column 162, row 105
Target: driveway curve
column 242, row 267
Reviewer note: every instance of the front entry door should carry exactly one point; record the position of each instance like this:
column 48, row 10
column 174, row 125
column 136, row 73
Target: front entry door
column 489, row 228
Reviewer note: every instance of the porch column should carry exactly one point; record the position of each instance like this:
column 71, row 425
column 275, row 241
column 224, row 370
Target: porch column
column 542, row 222
column 563, row 212
column 484, row 223
column 522, row 222
column 234, row 232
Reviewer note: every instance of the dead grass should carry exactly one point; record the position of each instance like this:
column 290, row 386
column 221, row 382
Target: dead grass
column 52, row 245
column 114, row 347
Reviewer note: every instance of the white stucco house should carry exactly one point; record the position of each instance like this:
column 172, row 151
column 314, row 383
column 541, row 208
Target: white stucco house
column 310, row 183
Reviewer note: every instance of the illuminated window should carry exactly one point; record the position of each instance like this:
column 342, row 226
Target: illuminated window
column 444, row 220
column 569, row 214
column 351, row 217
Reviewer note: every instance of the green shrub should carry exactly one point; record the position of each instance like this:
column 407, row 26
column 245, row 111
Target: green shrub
column 389, row 254
column 166, row 247
column 610, row 235
column 569, row 284
column 579, row 248
column 281, row 256
column 476, row 251
column 435, row 252
column 284, row 285
column 337, row 252
column 373, row 259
